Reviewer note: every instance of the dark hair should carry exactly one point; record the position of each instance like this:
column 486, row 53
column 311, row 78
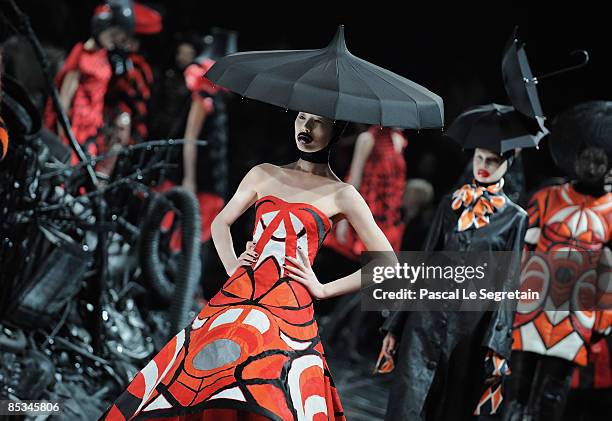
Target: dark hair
column 509, row 156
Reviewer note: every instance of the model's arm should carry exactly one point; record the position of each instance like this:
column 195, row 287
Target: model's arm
column 363, row 148
column 245, row 196
column 394, row 325
column 356, row 210
column 68, row 88
column 70, row 84
column 195, row 122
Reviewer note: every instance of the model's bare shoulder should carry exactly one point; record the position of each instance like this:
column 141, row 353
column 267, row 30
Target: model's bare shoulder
column 347, row 197
column 366, row 138
column 266, row 166
column 255, row 177
column 261, row 171
column 90, row 45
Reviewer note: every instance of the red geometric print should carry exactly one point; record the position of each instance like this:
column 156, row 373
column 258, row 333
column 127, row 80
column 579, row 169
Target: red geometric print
column 569, row 230
column 255, row 347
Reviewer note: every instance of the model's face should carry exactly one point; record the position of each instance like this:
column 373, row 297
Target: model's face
column 312, row 132
column 591, row 165
column 489, row 167
column 113, row 37
column 185, row 54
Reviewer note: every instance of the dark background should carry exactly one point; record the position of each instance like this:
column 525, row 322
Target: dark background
column 454, row 51
column 445, row 48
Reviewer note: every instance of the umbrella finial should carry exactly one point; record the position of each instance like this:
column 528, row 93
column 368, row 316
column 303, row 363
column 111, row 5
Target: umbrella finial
column 338, row 44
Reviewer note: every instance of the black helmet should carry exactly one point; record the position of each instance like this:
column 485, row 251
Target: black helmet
column 118, row 13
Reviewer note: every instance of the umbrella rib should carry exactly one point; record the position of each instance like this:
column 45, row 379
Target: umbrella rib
column 389, row 74
column 364, row 81
column 428, row 96
column 257, row 74
column 276, row 67
column 337, row 101
column 297, row 81
column 416, row 105
column 354, row 88
column 380, row 123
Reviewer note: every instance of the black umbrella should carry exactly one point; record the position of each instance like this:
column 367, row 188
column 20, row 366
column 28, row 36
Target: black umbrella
column 585, row 125
column 519, row 81
column 330, row 82
column 495, row 127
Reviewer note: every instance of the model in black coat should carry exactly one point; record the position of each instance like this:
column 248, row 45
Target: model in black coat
column 440, row 360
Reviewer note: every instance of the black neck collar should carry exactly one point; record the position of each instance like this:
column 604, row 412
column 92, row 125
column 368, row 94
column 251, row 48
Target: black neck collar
column 318, row 157
column 485, row 185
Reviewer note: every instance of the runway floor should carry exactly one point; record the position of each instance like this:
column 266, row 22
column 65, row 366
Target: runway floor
column 363, row 395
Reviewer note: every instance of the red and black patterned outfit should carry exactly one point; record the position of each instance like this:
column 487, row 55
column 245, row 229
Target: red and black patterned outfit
column 569, row 232
column 255, row 347
column 87, row 107
column 131, row 92
column 562, row 220
column 382, row 187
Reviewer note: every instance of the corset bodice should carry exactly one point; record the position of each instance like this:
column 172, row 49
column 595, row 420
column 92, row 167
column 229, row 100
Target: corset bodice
column 281, row 227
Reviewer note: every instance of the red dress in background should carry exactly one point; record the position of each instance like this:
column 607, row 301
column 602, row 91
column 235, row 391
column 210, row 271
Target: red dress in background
column 201, row 88
column 254, row 347
column 131, row 93
column 211, row 202
column 87, row 107
column 382, row 187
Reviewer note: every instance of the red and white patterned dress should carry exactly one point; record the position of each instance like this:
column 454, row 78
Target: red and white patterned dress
column 255, row 347
column 570, row 231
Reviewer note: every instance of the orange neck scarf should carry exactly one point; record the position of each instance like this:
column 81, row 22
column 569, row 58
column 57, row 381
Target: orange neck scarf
column 479, row 203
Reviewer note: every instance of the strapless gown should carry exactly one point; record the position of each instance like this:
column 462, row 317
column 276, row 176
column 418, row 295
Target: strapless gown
column 254, row 347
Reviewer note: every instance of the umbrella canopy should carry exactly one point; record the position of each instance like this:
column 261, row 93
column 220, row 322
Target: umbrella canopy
column 585, row 125
column 330, row 82
column 495, row 127
column 518, row 79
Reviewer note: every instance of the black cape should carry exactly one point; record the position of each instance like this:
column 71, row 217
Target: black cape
column 449, row 347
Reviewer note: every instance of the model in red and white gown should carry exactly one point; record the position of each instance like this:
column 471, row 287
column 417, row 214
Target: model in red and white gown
column 255, row 347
